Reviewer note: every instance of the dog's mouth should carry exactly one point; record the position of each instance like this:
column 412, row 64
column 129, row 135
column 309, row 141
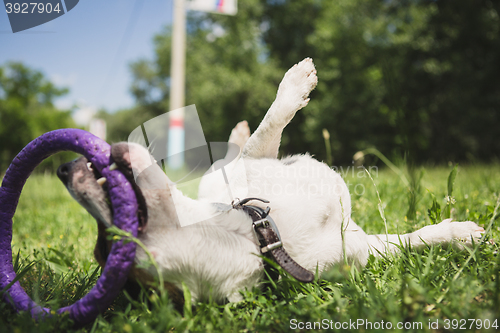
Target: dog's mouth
column 88, row 186
column 100, row 180
column 103, row 183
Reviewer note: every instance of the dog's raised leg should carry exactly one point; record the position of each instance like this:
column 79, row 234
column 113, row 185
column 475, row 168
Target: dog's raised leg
column 292, row 96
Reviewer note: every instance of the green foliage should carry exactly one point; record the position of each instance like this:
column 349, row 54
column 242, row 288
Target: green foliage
column 417, row 77
column 449, row 198
column 120, row 124
column 436, row 284
column 451, row 179
column 396, row 75
column 414, row 190
column 227, row 75
column 27, row 110
column 435, row 211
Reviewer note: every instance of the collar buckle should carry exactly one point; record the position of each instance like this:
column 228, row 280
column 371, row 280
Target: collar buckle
column 271, row 247
column 269, row 238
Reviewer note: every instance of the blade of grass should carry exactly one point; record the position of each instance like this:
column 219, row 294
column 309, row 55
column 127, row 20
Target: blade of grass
column 18, row 277
column 472, row 253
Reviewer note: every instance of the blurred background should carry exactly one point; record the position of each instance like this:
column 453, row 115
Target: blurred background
column 413, row 79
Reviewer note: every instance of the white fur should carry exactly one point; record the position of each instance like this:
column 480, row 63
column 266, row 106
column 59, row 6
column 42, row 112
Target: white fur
column 310, row 204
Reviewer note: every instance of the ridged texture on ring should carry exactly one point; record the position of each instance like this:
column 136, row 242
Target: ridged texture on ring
column 124, row 204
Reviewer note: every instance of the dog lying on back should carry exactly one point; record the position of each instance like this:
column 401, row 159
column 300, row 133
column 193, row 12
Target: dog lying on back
column 218, row 257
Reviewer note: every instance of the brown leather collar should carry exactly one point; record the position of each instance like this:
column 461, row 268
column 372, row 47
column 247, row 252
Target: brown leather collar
column 270, row 240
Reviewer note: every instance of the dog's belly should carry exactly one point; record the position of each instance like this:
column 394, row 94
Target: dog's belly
column 309, row 202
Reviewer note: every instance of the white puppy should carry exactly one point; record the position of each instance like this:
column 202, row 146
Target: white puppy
column 218, row 257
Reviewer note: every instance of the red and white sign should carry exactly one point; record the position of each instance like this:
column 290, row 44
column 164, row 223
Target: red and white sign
column 228, row 7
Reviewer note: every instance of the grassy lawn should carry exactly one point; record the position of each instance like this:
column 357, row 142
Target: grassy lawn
column 437, row 286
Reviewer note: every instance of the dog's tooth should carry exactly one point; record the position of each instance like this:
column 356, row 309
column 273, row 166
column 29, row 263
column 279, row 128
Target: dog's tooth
column 89, row 166
column 113, row 167
column 101, row 181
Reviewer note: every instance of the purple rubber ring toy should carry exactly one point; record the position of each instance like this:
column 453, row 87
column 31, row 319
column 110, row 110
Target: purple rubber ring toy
column 124, row 204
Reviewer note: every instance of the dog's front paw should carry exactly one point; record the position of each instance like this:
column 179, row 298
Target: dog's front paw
column 296, row 85
column 465, row 232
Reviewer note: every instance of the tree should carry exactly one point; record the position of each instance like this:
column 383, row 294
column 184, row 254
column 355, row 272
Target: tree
column 26, row 109
column 413, row 77
column 228, row 76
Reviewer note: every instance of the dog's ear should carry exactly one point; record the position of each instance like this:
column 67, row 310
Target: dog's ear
column 121, row 155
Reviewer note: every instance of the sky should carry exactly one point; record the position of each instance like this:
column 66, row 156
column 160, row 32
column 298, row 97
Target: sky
column 89, row 49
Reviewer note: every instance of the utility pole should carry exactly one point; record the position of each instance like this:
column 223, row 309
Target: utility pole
column 178, row 62
column 176, row 134
column 177, row 87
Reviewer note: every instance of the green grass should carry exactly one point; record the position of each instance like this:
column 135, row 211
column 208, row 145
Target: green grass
column 437, row 284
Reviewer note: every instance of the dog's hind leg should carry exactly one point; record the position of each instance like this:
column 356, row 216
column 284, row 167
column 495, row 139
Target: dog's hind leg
column 239, row 137
column 240, row 134
column 292, row 96
column 446, row 232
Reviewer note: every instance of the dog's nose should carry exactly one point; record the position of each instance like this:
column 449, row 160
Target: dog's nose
column 63, row 172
